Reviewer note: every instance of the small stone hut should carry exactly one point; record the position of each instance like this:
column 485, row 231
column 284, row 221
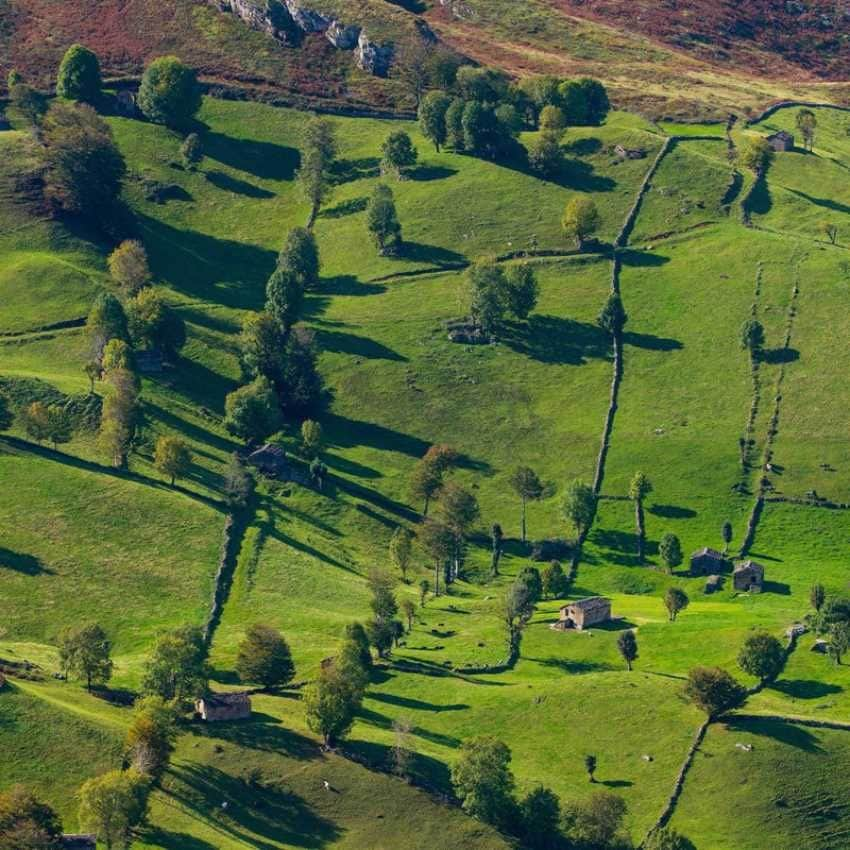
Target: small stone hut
column 623, row 152
column 125, row 103
column 270, row 460
column 781, row 141
column 585, row 613
column 707, row 562
column 749, row 577
column 217, row 707
column 713, row 583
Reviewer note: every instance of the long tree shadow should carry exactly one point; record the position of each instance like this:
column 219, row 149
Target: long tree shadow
column 91, row 466
column 779, row 730
column 760, row 201
column 635, row 258
column 349, row 433
column 426, row 173
column 417, row 704
column 169, row 840
column 778, row 356
column 345, row 208
column 29, row 565
column 573, row 667
column 423, row 770
column 805, row 688
column 620, row 546
column 672, row 512
column 261, row 732
column 551, row 339
column 652, row 342
column 265, row 160
column 357, row 346
column 266, row 811
column 207, row 268
column 238, row 187
column 416, row 252
column 349, row 170
column 825, row 203
column 347, row 284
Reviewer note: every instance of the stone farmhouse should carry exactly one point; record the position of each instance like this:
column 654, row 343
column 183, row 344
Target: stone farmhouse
column 585, row 613
column 748, row 577
column 707, row 562
column 781, row 141
column 214, row 708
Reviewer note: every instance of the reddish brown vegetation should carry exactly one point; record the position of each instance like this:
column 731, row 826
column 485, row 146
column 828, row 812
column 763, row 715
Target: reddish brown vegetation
column 759, row 36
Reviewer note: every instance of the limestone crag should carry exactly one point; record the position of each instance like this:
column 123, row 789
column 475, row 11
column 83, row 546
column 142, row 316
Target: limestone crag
column 287, row 20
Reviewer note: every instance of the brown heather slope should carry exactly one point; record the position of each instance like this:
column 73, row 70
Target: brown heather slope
column 666, row 57
column 125, row 33
column 673, row 58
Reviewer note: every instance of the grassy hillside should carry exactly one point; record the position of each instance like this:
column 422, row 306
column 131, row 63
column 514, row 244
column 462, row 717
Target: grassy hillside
column 83, row 542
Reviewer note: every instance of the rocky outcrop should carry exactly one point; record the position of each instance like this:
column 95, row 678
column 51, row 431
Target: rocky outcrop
column 287, row 20
column 272, row 18
column 371, row 57
column 341, row 36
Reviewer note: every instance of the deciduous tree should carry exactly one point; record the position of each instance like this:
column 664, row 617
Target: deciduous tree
column 483, row 781
column 253, row 412
column 401, row 549
column 762, row 656
column 675, row 600
column 300, row 257
column 79, row 75
column 670, row 549
column 627, row 647
column 432, row 117
column 83, row 167
column 581, row 219
column 169, row 92
column 264, row 656
column 113, row 805
column 540, row 810
column 128, row 265
column 613, row 317
column 177, row 667
column 382, row 220
column 172, row 457
column 331, row 701
column 714, row 690
column 319, row 151
column 398, row 154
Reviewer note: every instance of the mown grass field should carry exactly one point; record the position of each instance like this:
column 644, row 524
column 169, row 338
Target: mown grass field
column 82, row 542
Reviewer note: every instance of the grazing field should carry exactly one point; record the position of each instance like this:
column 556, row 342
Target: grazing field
column 83, row 541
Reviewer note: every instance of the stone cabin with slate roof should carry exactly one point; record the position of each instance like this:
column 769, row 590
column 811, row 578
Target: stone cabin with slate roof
column 707, row 562
column 219, row 707
column 781, row 141
column 749, row 577
column 585, row 613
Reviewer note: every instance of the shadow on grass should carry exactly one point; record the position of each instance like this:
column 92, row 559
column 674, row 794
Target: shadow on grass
column 778, row 587
column 805, row 688
column 426, row 173
column 825, row 203
column 29, row 565
column 265, row 160
column 423, row 770
column 254, row 812
column 346, row 208
column 572, row 666
column 124, row 474
column 169, row 840
column 224, row 271
column 583, row 147
column 416, row 252
column 672, row 512
column 341, row 342
column 642, row 259
column 621, row 546
column 416, row 704
column 615, row 783
column 238, row 187
column 551, row 339
column 774, row 356
column 779, row 730
column 348, row 170
column 349, row 433
column 260, row 732
column 651, row 342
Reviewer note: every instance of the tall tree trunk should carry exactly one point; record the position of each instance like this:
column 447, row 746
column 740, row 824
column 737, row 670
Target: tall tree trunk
column 436, row 578
column 523, row 519
column 641, row 531
column 427, row 503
